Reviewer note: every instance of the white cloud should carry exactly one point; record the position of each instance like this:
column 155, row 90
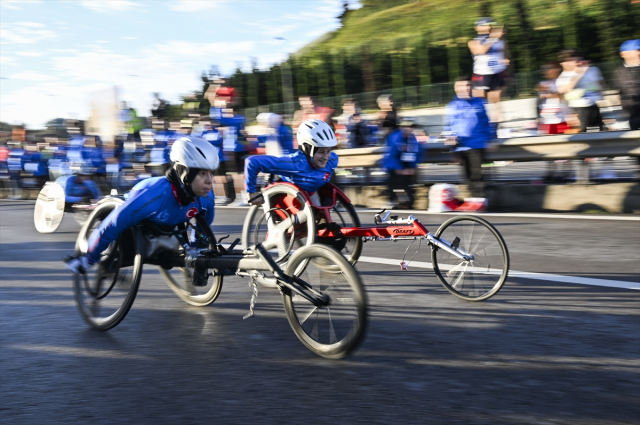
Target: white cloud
column 109, row 6
column 129, row 38
column 15, row 4
column 32, row 76
column 194, row 5
column 25, row 33
column 30, row 54
column 8, row 60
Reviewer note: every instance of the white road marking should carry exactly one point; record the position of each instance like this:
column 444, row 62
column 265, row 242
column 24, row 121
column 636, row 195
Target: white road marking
column 497, row 215
column 522, row 275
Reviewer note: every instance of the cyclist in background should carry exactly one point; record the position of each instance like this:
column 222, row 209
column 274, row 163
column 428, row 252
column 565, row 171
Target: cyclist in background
column 79, row 187
column 167, row 200
column 310, row 168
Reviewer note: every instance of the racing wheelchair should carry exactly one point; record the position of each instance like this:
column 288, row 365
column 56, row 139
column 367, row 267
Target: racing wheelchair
column 468, row 254
column 323, row 296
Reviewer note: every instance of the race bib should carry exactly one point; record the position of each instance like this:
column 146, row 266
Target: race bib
column 113, row 168
column 408, row 157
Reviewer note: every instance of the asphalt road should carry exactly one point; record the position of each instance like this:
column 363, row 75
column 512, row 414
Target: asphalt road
column 542, row 351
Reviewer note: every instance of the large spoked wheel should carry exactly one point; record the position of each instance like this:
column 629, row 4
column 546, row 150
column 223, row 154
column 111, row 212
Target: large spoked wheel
column 282, row 202
column 105, row 294
column 180, row 282
column 49, row 209
column 482, row 276
column 335, row 330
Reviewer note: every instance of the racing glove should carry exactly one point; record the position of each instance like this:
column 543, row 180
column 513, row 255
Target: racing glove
column 79, row 265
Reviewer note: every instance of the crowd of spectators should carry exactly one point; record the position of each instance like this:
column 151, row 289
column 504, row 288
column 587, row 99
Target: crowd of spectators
column 568, row 102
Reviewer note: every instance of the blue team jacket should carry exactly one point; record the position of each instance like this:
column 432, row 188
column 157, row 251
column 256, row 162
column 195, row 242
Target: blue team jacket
column 468, row 120
column 294, row 168
column 77, row 192
column 402, row 153
column 152, row 199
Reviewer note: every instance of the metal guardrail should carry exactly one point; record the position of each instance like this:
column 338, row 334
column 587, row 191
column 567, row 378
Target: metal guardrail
column 538, row 148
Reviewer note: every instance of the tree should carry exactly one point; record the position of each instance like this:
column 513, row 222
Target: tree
column 453, row 54
column 338, row 74
column 367, row 68
column 397, row 74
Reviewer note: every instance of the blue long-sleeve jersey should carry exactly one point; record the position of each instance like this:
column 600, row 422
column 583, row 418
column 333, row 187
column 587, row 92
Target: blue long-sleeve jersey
column 402, row 152
column 294, row 168
column 467, row 119
column 153, row 199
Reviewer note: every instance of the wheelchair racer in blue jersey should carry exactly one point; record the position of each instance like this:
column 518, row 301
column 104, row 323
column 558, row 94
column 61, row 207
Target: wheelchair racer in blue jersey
column 172, row 199
column 310, row 168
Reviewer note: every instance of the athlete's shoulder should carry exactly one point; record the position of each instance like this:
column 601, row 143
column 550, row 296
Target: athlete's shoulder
column 333, row 160
column 152, row 183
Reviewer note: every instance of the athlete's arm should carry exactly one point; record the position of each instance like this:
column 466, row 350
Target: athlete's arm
column 284, row 166
column 140, row 205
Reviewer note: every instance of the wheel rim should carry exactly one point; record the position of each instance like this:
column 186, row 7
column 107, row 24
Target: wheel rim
column 335, row 324
column 180, row 282
column 482, row 275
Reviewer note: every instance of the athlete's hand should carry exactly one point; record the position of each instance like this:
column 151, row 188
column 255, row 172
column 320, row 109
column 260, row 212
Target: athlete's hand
column 256, row 198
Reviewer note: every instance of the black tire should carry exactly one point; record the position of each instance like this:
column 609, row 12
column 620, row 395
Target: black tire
column 258, row 216
column 484, row 276
column 105, row 294
column 199, row 296
column 345, row 215
column 344, row 320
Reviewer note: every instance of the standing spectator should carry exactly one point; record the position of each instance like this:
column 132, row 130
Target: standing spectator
column 278, row 138
column 490, row 64
column 627, row 81
column 159, row 107
column 466, row 127
column 551, row 106
column 402, row 158
column 352, row 124
column 387, row 116
column 581, row 84
column 309, row 110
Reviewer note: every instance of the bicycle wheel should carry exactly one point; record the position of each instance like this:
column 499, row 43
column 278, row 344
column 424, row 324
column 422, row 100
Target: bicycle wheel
column 482, row 276
column 49, row 209
column 106, row 293
column 344, row 215
column 335, row 330
column 200, row 296
column 281, row 201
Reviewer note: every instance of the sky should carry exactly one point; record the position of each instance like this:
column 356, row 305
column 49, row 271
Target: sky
column 54, row 54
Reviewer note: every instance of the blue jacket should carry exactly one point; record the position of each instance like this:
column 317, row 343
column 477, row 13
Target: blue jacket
column 285, row 137
column 467, row 119
column 77, row 192
column 402, row 152
column 213, row 137
column 294, row 168
column 152, row 199
column 232, row 139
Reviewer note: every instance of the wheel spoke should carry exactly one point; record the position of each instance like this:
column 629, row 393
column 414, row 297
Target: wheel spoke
column 308, row 314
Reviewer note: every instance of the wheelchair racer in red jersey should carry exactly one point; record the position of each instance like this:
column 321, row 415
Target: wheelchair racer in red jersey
column 310, row 168
column 175, row 198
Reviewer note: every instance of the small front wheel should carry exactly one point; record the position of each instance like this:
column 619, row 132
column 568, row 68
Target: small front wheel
column 484, row 274
column 200, row 296
column 334, row 330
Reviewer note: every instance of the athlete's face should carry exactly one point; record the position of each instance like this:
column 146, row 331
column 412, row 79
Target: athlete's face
column 203, row 182
column 462, row 89
column 321, row 157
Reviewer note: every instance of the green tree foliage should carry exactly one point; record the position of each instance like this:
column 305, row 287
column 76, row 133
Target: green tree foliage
column 390, row 44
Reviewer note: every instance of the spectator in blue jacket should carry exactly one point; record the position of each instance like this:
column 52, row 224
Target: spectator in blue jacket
column 466, row 126
column 401, row 160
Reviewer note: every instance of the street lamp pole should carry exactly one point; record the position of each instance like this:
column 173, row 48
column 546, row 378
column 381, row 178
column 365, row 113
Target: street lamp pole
column 287, row 86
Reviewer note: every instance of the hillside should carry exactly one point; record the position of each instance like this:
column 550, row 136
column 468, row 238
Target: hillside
column 381, row 23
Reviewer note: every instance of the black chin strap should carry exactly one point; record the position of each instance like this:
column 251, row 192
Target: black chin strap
column 184, row 192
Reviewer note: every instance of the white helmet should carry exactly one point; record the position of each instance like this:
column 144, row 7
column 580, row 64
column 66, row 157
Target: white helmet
column 269, row 119
column 194, row 152
column 314, row 134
